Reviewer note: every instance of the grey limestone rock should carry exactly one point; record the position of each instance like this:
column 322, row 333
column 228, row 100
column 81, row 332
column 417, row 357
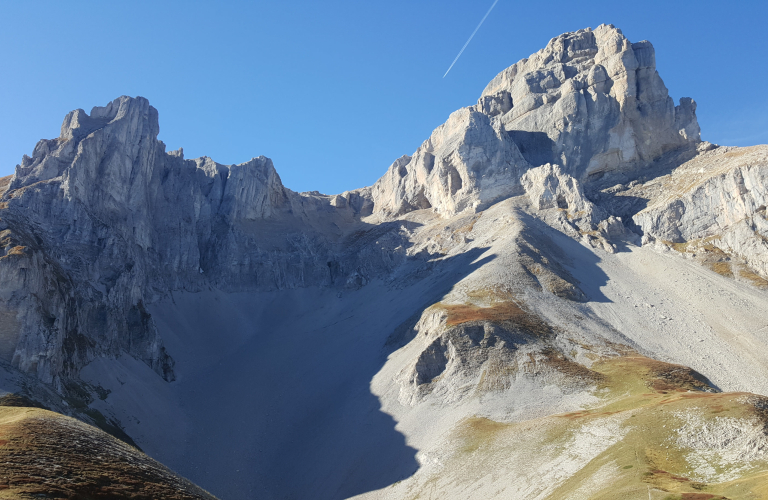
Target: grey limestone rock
column 599, row 101
column 717, row 198
column 467, row 163
column 591, row 102
column 102, row 221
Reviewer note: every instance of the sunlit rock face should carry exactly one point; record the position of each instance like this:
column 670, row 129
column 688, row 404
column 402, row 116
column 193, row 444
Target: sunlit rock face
column 714, row 202
column 591, row 102
column 598, row 99
column 467, row 163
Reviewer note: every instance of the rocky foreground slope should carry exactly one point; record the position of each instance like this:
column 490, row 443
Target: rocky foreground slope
column 560, row 294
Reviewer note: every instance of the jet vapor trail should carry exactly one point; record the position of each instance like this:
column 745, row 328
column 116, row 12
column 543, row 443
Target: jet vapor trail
column 471, row 36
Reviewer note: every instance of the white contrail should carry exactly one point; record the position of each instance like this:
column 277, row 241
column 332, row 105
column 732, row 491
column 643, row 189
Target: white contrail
column 472, row 35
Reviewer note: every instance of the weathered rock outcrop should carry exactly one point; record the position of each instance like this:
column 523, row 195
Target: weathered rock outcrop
column 717, row 199
column 593, row 101
column 590, row 102
column 468, row 350
column 468, row 163
column 560, row 200
column 102, row 221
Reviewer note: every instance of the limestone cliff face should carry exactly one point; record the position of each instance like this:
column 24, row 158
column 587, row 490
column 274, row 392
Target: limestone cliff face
column 102, row 221
column 716, row 200
column 467, row 163
column 598, row 99
column 80, row 208
column 591, row 102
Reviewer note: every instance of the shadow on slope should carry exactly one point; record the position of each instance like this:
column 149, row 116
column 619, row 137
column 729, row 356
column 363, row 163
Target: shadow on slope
column 581, row 262
column 275, row 386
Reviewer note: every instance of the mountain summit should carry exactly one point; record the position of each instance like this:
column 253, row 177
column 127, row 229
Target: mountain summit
column 591, row 102
column 560, row 294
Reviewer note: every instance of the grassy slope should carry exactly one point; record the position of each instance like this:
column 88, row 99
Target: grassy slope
column 47, row 455
column 650, row 457
column 640, row 454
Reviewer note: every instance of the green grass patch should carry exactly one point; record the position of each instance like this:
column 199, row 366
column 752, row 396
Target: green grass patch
column 648, row 398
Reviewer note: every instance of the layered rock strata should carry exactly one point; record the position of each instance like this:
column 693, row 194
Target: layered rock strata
column 591, row 102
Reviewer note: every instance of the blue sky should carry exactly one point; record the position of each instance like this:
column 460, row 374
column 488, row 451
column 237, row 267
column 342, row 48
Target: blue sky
column 334, row 91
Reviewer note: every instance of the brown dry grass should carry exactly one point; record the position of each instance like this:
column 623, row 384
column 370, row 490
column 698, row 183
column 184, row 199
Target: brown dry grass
column 18, row 250
column 496, row 313
column 753, row 277
column 695, row 496
column 719, row 261
column 661, row 376
column 506, row 313
column 721, row 268
column 48, row 455
column 670, row 377
column 479, row 431
column 570, row 368
column 467, row 228
column 759, row 406
column 678, row 247
column 4, row 181
column 19, row 401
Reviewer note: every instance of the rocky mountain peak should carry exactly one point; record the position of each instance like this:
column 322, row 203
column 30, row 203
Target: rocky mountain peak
column 134, row 112
column 591, row 102
column 597, row 89
column 124, row 126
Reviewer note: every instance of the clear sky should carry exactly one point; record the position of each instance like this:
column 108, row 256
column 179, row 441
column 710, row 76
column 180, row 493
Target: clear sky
column 334, row 91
